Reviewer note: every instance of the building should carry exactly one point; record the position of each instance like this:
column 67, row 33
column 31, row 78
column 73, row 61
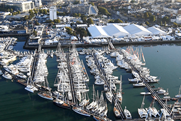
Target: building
column 3, row 15
column 83, row 8
column 22, row 5
column 37, row 3
column 53, row 12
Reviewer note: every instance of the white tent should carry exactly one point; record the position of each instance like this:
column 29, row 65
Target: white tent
column 156, row 31
column 97, row 32
column 115, row 30
column 137, row 30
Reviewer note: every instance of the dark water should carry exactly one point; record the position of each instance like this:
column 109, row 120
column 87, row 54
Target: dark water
column 17, row 104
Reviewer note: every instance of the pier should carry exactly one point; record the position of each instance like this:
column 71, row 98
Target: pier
column 101, row 70
column 74, row 100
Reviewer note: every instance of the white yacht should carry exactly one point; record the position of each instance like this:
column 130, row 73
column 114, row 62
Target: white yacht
column 145, row 93
column 6, row 75
column 179, row 95
column 141, row 111
column 141, row 84
column 127, row 113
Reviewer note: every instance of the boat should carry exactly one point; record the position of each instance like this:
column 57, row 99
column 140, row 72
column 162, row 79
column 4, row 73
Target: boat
column 141, row 111
column 30, row 85
column 46, row 95
column 80, row 111
column 109, row 95
column 6, row 75
column 93, row 103
column 119, row 93
column 161, row 91
column 84, row 101
column 116, row 111
column 135, row 80
column 179, row 94
column 61, row 102
column 145, row 93
column 21, row 75
column 141, row 84
column 127, row 113
column 1, row 72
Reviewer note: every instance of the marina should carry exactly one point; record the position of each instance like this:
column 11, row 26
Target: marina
column 74, row 96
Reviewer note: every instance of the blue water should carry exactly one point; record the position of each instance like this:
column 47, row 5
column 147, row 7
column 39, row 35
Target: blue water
column 17, row 104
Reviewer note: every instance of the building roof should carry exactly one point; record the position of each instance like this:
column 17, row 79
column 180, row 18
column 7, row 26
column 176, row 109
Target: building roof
column 137, row 30
column 97, row 32
column 155, row 30
column 115, row 30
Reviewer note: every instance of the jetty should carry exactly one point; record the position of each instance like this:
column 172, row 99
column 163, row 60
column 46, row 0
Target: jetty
column 101, row 70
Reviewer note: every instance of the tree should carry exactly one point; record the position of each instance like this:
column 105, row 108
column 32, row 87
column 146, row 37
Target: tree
column 111, row 21
column 147, row 23
column 8, row 10
column 56, row 20
column 36, row 23
column 175, row 24
column 78, row 22
column 146, row 15
column 69, row 30
column 74, row 14
column 35, row 33
column 152, row 18
column 91, row 3
column 76, row 2
column 44, row 11
column 161, row 23
column 103, row 10
column 132, row 1
column 90, row 21
column 118, row 21
column 26, row 18
column 18, row 12
column 165, row 23
column 11, row 10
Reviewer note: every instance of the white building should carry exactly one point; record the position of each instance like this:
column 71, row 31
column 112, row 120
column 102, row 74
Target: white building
column 22, row 5
column 38, row 3
column 53, row 12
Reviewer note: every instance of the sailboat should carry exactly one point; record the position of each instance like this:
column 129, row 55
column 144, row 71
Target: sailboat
column 179, row 95
column 109, row 94
column 119, row 93
column 61, row 102
column 84, row 101
column 30, row 85
column 141, row 111
column 93, row 103
column 127, row 113
column 116, row 111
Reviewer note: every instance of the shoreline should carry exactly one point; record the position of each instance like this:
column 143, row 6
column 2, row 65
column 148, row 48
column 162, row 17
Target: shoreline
column 26, row 46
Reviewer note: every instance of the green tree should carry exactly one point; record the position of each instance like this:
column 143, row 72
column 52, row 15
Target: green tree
column 165, row 23
column 78, row 22
column 36, row 23
column 175, row 24
column 35, row 33
column 44, row 11
column 18, row 12
column 76, row 2
column 11, row 10
column 132, row 1
column 56, row 20
column 69, row 30
column 118, row 21
column 8, row 10
column 91, row 3
column 147, row 23
column 74, row 14
column 161, row 23
column 146, row 15
column 152, row 18
column 104, row 11
column 90, row 21
column 111, row 21
column 26, row 18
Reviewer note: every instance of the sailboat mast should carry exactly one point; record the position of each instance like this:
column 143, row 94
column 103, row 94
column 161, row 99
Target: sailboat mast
column 142, row 104
column 120, row 89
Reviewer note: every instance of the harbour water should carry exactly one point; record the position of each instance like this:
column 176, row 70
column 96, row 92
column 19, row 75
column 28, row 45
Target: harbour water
column 17, row 104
